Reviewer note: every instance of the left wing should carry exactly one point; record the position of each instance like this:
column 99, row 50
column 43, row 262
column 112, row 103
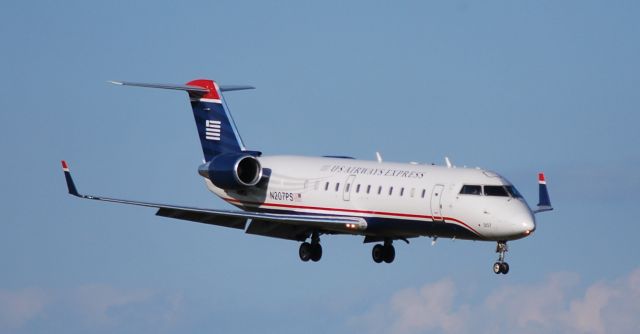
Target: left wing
column 234, row 218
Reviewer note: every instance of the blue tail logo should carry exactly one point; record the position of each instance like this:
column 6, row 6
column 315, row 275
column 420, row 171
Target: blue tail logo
column 216, row 129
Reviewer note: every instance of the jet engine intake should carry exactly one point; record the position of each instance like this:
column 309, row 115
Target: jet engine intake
column 232, row 171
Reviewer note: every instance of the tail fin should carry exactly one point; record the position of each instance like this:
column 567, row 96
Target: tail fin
column 216, row 129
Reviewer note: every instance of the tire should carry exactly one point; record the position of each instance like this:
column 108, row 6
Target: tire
column 504, row 268
column 389, row 253
column 377, row 253
column 305, row 251
column 316, row 252
column 497, row 268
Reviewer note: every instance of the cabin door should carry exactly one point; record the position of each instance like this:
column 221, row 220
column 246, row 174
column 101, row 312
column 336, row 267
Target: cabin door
column 436, row 202
column 348, row 187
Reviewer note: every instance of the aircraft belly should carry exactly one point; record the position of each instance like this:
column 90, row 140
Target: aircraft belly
column 409, row 228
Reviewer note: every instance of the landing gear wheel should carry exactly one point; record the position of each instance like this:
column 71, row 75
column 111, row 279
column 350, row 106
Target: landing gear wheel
column 305, row 251
column 504, row 268
column 389, row 253
column 377, row 253
column 316, row 252
column 497, row 268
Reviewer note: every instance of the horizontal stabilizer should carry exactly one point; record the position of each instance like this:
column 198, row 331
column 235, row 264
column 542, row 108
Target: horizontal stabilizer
column 230, row 88
column 191, row 89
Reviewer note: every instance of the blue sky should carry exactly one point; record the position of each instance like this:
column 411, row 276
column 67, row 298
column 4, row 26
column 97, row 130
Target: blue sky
column 516, row 87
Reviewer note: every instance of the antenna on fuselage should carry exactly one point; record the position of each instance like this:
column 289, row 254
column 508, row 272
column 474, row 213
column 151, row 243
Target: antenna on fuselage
column 378, row 157
column 448, row 162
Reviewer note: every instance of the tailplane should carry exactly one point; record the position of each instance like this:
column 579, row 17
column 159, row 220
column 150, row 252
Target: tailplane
column 217, row 131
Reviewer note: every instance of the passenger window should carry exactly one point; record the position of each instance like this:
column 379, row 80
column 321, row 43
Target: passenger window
column 390, row 191
column 495, row 191
column 337, row 186
column 358, row 188
column 471, row 190
column 347, row 187
column 379, row 190
column 401, row 192
column 424, row 191
column 326, row 186
column 368, row 188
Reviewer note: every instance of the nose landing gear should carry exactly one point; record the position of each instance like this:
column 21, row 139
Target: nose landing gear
column 501, row 267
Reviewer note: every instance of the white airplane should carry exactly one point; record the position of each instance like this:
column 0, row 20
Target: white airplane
column 301, row 198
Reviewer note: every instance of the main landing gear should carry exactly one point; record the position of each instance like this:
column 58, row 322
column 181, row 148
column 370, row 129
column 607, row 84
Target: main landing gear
column 501, row 267
column 311, row 251
column 385, row 252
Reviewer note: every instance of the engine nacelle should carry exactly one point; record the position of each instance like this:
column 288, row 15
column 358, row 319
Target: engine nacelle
column 232, row 171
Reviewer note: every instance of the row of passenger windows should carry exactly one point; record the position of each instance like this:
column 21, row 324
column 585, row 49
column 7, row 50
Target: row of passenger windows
column 373, row 189
column 504, row 191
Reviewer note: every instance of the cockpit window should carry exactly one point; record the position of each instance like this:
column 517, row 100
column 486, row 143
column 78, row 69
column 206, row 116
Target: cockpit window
column 513, row 191
column 470, row 190
column 495, row 191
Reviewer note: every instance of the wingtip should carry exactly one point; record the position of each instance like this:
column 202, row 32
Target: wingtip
column 119, row 83
column 71, row 186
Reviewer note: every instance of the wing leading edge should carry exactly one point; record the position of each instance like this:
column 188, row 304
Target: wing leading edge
column 238, row 219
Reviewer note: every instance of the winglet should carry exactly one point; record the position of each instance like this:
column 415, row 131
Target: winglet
column 71, row 187
column 544, row 202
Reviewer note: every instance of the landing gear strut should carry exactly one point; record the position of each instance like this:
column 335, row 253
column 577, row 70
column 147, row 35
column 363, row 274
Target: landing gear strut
column 385, row 252
column 501, row 267
column 311, row 251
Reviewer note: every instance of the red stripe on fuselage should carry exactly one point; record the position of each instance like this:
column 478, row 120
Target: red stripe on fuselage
column 406, row 215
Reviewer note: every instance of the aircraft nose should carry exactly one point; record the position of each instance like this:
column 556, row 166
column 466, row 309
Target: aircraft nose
column 527, row 223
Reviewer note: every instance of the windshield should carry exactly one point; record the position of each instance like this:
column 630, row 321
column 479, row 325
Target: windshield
column 471, row 190
column 513, row 191
column 502, row 191
column 495, row 191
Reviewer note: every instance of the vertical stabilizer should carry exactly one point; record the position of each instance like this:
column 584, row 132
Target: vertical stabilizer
column 216, row 129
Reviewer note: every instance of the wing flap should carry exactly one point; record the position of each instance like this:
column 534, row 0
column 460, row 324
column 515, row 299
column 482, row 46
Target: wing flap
column 203, row 217
column 277, row 230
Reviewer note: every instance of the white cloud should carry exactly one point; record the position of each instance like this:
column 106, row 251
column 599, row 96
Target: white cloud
column 416, row 310
column 552, row 305
column 97, row 300
column 91, row 307
column 540, row 305
column 608, row 307
column 18, row 307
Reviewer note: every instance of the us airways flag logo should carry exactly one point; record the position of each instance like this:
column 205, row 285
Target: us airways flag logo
column 212, row 129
